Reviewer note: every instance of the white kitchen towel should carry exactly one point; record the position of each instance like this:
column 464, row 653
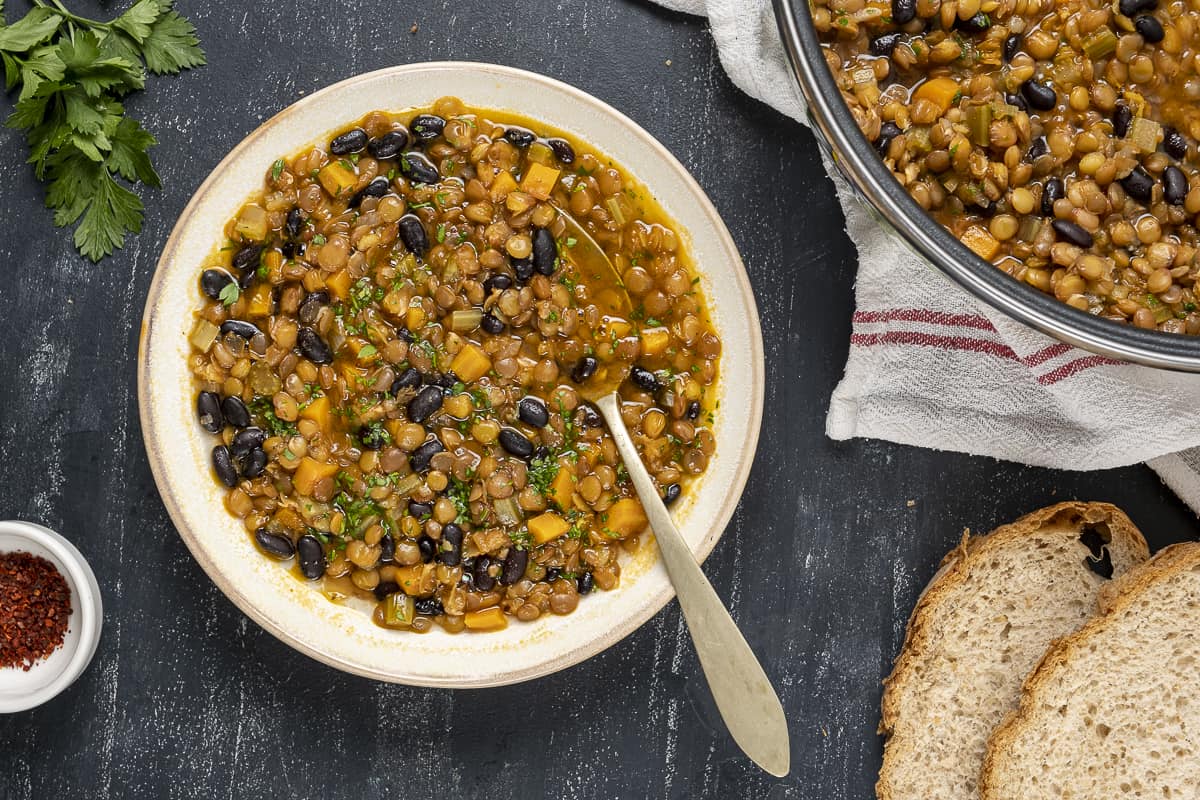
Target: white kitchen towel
column 932, row 366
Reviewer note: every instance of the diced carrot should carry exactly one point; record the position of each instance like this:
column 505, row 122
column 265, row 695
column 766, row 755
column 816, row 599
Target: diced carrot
column 547, row 527
column 654, row 341
column 939, row 91
column 309, row 472
column 353, row 374
column 488, row 619
column 502, row 185
column 563, row 485
column 539, row 181
column 626, row 518
column 417, row 579
column 415, row 317
column 320, row 412
column 273, row 261
column 339, row 284
column 471, row 363
column 983, row 243
column 337, row 178
column 260, row 300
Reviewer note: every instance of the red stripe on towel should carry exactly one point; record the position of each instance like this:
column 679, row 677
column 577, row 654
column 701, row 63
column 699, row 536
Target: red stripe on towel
column 931, row 340
column 924, row 315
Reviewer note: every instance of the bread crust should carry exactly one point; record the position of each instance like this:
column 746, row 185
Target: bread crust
column 1166, row 563
column 955, row 568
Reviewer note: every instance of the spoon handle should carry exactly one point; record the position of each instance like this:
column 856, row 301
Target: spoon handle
column 743, row 693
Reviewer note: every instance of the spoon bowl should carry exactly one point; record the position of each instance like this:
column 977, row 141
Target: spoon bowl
column 595, row 267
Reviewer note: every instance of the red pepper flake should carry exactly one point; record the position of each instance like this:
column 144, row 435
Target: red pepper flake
column 35, row 603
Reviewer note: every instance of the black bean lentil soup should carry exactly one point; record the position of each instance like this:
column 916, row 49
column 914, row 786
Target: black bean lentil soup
column 1055, row 139
column 391, row 354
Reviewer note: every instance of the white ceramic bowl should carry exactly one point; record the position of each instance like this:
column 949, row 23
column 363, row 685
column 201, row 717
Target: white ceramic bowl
column 21, row 690
column 343, row 637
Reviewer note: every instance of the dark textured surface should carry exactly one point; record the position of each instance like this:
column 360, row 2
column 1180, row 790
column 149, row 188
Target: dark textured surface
column 187, row 699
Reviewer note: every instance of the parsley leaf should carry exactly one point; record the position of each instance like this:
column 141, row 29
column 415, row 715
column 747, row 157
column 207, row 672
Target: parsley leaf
column 70, row 74
column 230, row 294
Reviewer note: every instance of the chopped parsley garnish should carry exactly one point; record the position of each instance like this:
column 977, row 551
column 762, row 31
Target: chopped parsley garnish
column 231, row 293
column 541, row 473
column 265, row 410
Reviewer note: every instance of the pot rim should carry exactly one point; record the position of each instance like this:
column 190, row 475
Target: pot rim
column 833, row 123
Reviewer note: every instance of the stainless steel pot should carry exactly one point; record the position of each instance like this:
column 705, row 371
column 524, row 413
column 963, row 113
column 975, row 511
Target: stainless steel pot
column 854, row 155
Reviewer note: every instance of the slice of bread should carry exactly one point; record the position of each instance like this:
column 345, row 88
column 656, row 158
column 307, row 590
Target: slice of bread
column 982, row 623
column 1113, row 711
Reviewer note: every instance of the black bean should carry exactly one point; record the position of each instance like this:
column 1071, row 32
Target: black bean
column 420, row 510
column 1121, row 118
column 591, row 417
column 246, row 330
column 295, row 223
column 254, row 463
column 1174, row 144
column 450, row 549
column 521, row 137
column 1150, row 28
column 311, row 306
column 976, row 24
column 1102, row 566
column 523, row 269
column 1037, row 148
column 428, row 548
column 671, row 493
column 412, row 233
column 373, row 437
column 387, row 549
column 693, row 410
column 1175, row 185
column 491, row 323
column 1139, row 185
column 1072, row 233
column 429, row 607
column 417, row 168
column 247, row 258
column 484, row 582
column 214, row 281
column 446, row 380
column 1017, row 101
column 389, row 145
column 904, row 11
column 409, row 379
column 514, row 566
column 562, row 150
column 312, row 556
column 289, row 249
column 644, row 379
column 1131, row 7
column 419, row 460
column 383, row 589
column 545, row 252
column 1052, row 190
column 376, row 188
column 208, row 409
column 275, row 544
column 349, row 142
column 427, row 127
column 885, row 43
column 235, row 412
column 584, row 368
column 585, row 583
column 532, row 411
column 313, row 347
column 425, row 404
column 1039, row 95
column 553, row 574
column 245, row 440
column 515, row 443
column 1012, row 46
column 541, row 453
column 222, row 462
column 887, row 132
column 497, row 283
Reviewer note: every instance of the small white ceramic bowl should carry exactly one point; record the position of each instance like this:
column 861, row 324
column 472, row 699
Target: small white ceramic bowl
column 344, row 637
column 21, row 690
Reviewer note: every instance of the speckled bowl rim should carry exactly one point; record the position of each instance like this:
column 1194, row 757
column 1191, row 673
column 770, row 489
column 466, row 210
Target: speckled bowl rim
column 156, row 433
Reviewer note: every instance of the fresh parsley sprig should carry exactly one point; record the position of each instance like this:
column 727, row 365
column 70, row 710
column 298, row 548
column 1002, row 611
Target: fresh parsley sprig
column 71, row 73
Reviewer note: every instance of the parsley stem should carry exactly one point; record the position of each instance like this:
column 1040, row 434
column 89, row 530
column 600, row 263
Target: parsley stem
column 62, row 11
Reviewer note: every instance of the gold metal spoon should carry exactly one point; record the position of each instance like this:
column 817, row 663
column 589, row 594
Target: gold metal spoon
column 743, row 693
